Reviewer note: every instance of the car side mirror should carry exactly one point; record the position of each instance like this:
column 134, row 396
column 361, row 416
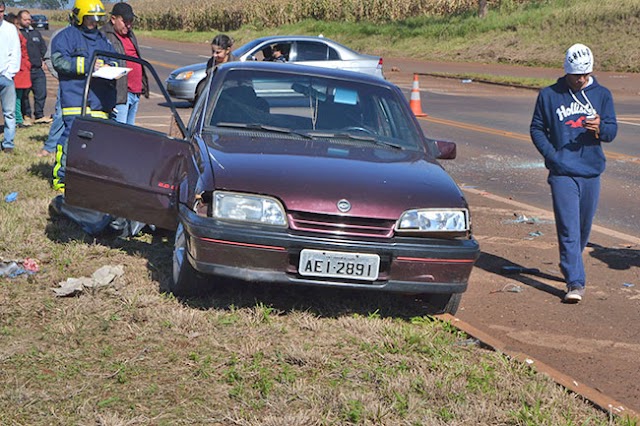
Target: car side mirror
column 251, row 58
column 446, row 150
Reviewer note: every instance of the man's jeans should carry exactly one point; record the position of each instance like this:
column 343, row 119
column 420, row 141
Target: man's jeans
column 126, row 113
column 56, row 129
column 39, row 88
column 8, row 99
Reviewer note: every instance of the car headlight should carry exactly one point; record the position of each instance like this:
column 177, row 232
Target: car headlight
column 184, row 75
column 248, row 208
column 434, row 220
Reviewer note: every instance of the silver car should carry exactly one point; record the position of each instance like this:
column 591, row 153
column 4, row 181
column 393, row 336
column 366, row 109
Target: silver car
column 306, row 50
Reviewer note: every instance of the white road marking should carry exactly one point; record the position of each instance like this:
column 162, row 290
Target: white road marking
column 153, row 116
column 152, row 124
column 155, row 95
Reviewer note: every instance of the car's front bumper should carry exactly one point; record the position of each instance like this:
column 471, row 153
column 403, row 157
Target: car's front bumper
column 407, row 265
column 181, row 89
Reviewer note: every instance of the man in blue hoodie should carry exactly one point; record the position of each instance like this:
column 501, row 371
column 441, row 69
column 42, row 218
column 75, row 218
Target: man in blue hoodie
column 570, row 121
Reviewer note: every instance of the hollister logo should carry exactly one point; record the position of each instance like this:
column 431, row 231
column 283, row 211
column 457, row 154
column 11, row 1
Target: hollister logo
column 575, row 108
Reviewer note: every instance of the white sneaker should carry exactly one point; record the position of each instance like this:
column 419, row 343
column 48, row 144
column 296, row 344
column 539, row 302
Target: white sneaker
column 574, row 294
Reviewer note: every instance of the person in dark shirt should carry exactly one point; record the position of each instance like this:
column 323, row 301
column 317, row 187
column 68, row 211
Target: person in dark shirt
column 36, row 48
column 279, row 53
column 119, row 31
column 220, row 53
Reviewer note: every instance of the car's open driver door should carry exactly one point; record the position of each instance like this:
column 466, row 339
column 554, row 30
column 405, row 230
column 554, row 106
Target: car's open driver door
column 124, row 170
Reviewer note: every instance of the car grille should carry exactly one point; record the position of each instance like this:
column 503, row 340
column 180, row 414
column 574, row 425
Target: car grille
column 341, row 225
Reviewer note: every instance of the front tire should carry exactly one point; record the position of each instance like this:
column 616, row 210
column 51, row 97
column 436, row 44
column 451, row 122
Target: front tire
column 199, row 90
column 445, row 303
column 186, row 281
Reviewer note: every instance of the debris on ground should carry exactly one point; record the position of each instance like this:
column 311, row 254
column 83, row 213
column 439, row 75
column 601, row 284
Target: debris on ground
column 13, row 268
column 468, row 342
column 534, row 234
column 100, row 278
column 510, row 288
column 514, row 269
column 521, row 218
column 11, row 197
column 628, row 285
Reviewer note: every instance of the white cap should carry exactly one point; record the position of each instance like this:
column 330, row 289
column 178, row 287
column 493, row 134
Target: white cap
column 579, row 60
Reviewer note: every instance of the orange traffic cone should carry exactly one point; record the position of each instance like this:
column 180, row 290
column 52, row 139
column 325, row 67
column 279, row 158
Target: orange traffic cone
column 414, row 102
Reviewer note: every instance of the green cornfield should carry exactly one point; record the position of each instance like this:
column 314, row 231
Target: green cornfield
column 219, row 15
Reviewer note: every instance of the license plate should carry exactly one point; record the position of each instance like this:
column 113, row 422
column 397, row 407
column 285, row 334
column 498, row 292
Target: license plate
column 319, row 263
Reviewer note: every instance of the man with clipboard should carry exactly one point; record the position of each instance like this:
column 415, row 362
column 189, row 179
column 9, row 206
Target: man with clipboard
column 119, row 32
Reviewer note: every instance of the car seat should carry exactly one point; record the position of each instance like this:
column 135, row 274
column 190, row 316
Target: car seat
column 240, row 104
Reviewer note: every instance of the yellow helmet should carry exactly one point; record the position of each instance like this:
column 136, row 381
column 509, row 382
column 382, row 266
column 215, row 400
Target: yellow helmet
column 82, row 8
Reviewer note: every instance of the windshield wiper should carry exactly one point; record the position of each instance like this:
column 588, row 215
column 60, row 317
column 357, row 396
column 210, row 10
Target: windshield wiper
column 357, row 137
column 264, row 127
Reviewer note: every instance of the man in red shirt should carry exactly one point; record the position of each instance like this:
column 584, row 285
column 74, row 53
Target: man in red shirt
column 119, row 31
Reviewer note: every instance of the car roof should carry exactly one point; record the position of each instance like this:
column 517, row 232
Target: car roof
column 304, row 70
column 291, row 38
column 277, row 38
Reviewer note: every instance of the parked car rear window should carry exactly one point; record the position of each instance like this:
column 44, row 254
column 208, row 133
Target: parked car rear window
column 311, row 51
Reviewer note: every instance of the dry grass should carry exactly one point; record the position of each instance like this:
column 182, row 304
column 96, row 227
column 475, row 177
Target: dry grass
column 130, row 354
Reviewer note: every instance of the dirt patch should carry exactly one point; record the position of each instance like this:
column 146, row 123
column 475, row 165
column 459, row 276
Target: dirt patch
column 597, row 341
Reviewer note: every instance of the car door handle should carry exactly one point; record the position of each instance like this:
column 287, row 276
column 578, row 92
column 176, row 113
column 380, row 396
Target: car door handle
column 85, row 134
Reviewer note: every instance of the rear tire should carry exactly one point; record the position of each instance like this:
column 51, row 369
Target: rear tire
column 186, row 281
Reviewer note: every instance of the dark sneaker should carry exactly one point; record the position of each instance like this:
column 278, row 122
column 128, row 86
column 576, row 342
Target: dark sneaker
column 574, row 294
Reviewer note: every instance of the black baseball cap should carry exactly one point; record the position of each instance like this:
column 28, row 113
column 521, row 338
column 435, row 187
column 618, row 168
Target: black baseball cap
column 124, row 10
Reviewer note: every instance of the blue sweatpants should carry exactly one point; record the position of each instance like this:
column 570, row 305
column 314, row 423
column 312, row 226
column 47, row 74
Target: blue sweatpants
column 575, row 200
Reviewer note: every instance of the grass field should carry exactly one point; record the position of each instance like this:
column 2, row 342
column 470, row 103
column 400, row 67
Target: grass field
column 130, row 354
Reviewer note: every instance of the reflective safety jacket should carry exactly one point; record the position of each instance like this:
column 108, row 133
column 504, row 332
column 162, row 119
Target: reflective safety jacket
column 71, row 53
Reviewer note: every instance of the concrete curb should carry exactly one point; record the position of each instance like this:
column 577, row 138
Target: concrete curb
column 475, row 80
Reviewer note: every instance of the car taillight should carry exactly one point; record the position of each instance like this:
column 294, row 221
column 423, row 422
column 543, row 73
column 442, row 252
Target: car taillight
column 380, row 64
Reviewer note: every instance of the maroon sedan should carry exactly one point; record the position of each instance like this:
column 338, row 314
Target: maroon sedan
column 288, row 174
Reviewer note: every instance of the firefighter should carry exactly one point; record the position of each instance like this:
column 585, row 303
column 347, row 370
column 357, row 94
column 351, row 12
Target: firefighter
column 71, row 53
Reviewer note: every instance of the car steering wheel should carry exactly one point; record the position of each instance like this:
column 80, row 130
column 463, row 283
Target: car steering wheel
column 360, row 129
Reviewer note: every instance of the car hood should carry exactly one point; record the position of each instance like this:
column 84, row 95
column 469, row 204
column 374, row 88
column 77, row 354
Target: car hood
column 312, row 176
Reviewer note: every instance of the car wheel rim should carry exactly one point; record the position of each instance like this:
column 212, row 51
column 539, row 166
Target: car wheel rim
column 179, row 252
